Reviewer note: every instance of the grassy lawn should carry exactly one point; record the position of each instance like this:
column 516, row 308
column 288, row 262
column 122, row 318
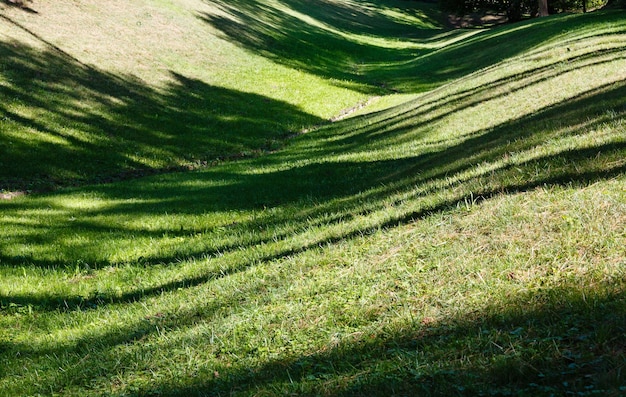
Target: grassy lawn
column 462, row 234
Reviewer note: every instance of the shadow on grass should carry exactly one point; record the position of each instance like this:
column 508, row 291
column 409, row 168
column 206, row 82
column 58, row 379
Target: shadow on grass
column 21, row 4
column 328, row 193
column 68, row 303
column 418, row 56
column 322, row 180
column 292, row 33
column 544, row 342
column 64, row 123
column 548, row 342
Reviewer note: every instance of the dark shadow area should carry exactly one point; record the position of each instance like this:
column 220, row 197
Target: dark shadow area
column 281, row 36
column 20, row 4
column 65, row 123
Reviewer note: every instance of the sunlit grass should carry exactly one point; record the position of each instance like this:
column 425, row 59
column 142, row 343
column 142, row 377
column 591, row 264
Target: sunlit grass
column 87, row 83
column 469, row 241
column 411, row 279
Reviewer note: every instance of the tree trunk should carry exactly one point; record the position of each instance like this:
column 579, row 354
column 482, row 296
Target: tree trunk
column 543, row 8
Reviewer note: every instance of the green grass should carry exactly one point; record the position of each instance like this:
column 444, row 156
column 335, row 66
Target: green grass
column 91, row 93
column 468, row 241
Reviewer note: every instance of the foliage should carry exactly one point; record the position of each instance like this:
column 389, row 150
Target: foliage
column 616, row 4
column 516, row 10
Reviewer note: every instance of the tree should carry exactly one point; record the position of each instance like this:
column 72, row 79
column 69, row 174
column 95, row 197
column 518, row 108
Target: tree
column 616, row 4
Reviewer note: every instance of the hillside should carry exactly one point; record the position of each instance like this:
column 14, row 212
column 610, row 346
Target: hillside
column 99, row 92
column 211, row 232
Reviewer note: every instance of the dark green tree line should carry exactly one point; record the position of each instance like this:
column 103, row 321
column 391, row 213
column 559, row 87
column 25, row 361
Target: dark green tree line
column 519, row 9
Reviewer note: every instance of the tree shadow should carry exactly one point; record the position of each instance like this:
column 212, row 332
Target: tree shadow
column 285, row 204
column 20, row 4
column 283, row 35
column 570, row 344
column 66, row 123
column 574, row 337
column 548, row 341
column 294, row 35
column 229, row 266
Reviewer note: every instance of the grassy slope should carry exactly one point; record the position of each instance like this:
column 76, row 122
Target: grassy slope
column 469, row 241
column 156, row 84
